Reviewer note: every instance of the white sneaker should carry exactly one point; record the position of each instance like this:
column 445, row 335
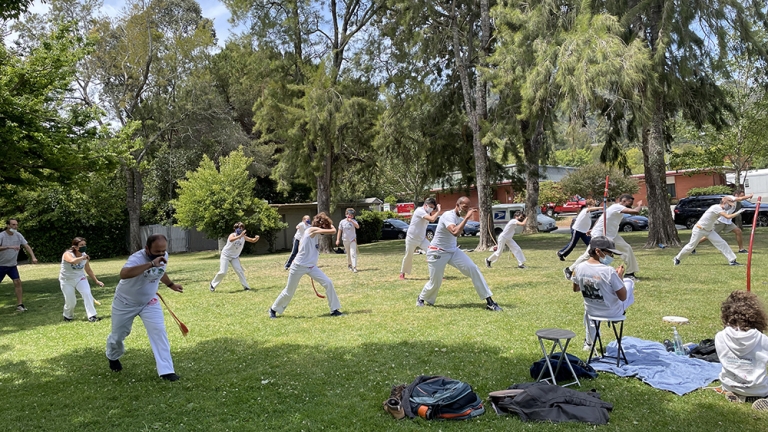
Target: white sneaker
column 587, row 346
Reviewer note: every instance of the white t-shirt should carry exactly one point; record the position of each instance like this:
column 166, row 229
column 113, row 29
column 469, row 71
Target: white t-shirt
column 233, row 249
column 725, row 220
column 509, row 229
column 348, row 232
column 599, row 283
column 141, row 289
column 308, row 251
column 708, row 219
column 614, row 216
column 69, row 271
column 8, row 257
column 583, row 221
column 443, row 238
column 300, row 230
column 418, row 227
column 743, row 356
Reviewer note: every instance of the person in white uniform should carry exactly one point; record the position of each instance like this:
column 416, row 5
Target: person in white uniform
column 74, row 266
column 230, row 255
column 300, row 227
column 742, row 349
column 136, row 295
column 607, row 293
column 306, row 263
column 607, row 225
column 705, row 228
column 725, row 225
column 506, row 240
column 11, row 241
column 580, row 230
column 444, row 250
column 416, row 237
column 348, row 235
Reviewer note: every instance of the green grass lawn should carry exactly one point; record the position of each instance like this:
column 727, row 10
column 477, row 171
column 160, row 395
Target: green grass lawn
column 308, row 371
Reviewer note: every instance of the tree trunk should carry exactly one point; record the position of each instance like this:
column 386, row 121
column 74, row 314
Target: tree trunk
column 532, row 155
column 661, row 223
column 324, row 201
column 134, row 197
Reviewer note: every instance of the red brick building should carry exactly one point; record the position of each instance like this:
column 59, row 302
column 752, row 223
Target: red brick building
column 681, row 181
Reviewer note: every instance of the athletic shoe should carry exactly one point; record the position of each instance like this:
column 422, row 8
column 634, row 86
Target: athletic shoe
column 632, row 277
column 272, row 314
column 693, row 252
column 349, row 267
column 20, row 307
column 336, row 313
column 115, row 365
column 522, row 266
column 493, row 307
column 402, row 276
column 419, row 302
column 94, row 319
column 246, row 288
column 743, row 251
column 676, row 261
column 559, row 255
column 487, row 263
column 210, row 287
column 286, row 268
column 760, row 405
column 734, row 263
column 568, row 273
column 354, row 270
column 68, row 319
column 587, row 346
column 170, row 377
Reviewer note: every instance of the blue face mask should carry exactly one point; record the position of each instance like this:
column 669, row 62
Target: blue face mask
column 238, row 231
column 607, row 260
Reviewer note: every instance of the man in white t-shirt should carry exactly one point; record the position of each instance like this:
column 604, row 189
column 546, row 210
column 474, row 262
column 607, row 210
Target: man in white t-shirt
column 444, row 250
column 506, row 240
column 11, row 241
column 580, row 230
column 607, row 225
column 304, row 224
column 417, row 232
column 725, row 225
column 347, row 233
column 136, row 295
column 705, row 227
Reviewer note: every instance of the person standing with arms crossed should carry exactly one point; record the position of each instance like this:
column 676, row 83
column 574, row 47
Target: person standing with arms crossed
column 417, row 231
column 348, row 235
column 136, row 295
column 74, row 266
column 230, row 255
column 444, row 250
column 304, row 224
column 506, row 239
column 10, row 242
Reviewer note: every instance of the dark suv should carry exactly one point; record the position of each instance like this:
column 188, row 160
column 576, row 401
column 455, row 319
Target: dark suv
column 689, row 210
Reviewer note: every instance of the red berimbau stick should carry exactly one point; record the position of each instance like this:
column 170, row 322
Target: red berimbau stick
column 605, row 205
column 751, row 242
column 182, row 326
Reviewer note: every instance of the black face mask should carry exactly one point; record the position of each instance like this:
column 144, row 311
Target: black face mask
column 153, row 257
column 82, row 249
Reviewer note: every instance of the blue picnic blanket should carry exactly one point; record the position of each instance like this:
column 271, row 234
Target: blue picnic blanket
column 651, row 363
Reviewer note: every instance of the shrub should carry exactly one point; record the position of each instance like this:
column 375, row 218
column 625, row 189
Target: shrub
column 711, row 190
column 370, row 225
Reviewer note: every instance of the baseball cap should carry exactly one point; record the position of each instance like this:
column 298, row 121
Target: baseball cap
column 603, row 243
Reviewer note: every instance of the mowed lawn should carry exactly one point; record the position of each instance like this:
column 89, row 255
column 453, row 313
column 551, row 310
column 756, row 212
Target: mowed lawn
column 307, row 371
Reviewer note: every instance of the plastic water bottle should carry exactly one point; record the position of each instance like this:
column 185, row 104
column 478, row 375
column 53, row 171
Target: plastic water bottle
column 662, row 246
column 679, row 350
column 689, row 347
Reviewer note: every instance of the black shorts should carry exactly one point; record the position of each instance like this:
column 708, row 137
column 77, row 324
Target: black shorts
column 12, row 272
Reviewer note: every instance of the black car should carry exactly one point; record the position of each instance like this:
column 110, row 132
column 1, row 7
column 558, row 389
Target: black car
column 393, row 229
column 689, row 210
column 629, row 222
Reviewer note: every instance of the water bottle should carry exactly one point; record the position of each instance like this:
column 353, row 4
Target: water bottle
column 679, row 350
column 689, row 347
column 662, row 246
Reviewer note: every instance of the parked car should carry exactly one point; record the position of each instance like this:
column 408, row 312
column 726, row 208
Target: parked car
column 471, row 228
column 629, row 222
column 689, row 210
column 393, row 229
column 573, row 205
column 503, row 213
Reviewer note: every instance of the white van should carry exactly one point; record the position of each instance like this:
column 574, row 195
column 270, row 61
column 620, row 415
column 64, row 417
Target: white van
column 754, row 182
column 503, row 213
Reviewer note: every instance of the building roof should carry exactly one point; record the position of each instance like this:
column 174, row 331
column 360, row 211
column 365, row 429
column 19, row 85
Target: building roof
column 546, row 172
column 690, row 171
column 366, row 201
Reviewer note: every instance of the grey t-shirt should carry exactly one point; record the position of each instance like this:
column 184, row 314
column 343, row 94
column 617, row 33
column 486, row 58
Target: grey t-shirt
column 141, row 289
column 9, row 257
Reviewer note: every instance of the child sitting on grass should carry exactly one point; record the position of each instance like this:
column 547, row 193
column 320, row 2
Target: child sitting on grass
column 743, row 349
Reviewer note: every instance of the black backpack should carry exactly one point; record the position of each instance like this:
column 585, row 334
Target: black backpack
column 706, row 351
column 439, row 397
column 582, row 369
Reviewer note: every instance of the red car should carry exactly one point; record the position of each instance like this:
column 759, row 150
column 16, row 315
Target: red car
column 572, row 206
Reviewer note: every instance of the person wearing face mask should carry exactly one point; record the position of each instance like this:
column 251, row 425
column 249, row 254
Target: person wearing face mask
column 417, row 231
column 725, row 225
column 705, row 228
column 606, row 292
column 347, row 233
column 607, row 225
column 136, row 295
column 230, row 255
column 74, row 266
column 506, row 240
column 444, row 250
column 10, row 242
column 305, row 223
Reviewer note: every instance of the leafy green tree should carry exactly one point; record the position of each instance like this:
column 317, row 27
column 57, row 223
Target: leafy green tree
column 589, row 181
column 212, row 200
column 11, row 9
column 574, row 157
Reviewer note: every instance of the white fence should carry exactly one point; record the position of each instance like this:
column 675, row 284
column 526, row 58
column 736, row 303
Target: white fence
column 179, row 240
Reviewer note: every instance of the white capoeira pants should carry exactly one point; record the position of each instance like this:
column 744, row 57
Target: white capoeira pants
column 627, row 255
column 629, row 284
column 714, row 238
column 350, row 247
column 294, row 276
column 151, row 314
column 68, row 287
column 224, row 262
column 410, row 247
column 512, row 245
column 437, row 259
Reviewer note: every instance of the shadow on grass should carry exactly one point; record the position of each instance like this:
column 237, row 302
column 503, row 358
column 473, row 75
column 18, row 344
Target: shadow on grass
column 236, row 384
